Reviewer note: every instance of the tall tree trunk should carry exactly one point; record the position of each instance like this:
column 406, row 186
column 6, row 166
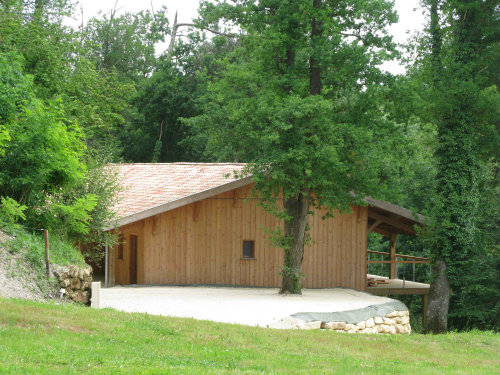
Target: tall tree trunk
column 297, row 208
column 439, row 298
column 457, row 196
column 173, row 35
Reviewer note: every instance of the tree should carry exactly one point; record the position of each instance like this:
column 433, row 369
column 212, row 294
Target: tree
column 463, row 38
column 63, row 69
column 295, row 101
column 35, row 30
column 172, row 93
column 54, row 103
column 126, row 42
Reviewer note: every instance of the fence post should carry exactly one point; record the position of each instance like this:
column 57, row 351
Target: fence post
column 393, row 264
column 404, row 276
column 95, row 299
column 47, row 265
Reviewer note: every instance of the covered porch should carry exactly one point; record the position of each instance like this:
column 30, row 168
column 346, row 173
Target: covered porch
column 390, row 221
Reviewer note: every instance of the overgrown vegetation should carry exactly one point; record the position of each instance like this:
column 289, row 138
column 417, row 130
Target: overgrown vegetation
column 29, row 248
column 33, row 246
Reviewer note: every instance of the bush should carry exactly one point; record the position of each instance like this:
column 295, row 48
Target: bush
column 10, row 212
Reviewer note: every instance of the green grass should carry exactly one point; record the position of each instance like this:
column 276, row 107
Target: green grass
column 33, row 246
column 43, row 338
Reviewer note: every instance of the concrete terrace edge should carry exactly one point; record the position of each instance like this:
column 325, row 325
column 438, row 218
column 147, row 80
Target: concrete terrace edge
column 353, row 316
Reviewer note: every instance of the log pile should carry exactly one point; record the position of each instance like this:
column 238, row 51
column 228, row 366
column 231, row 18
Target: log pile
column 75, row 282
column 371, row 281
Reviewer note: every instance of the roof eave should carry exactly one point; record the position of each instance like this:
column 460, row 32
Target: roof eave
column 395, row 209
column 181, row 202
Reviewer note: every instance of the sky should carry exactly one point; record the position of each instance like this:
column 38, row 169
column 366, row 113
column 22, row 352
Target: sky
column 410, row 16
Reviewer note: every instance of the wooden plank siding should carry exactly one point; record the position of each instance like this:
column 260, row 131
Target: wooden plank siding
column 201, row 243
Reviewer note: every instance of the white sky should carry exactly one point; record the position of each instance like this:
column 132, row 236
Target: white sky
column 410, row 16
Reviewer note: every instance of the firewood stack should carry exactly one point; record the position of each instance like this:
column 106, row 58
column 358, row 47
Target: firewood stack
column 371, row 281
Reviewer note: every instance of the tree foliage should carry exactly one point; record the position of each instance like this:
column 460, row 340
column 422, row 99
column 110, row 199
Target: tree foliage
column 126, row 43
column 453, row 86
column 53, row 104
column 295, row 101
column 170, row 94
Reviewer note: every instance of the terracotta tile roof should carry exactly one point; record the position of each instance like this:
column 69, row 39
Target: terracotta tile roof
column 145, row 186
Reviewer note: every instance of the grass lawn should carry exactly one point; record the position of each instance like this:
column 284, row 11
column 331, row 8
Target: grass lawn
column 42, row 338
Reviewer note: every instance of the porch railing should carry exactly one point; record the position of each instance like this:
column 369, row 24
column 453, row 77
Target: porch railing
column 407, row 259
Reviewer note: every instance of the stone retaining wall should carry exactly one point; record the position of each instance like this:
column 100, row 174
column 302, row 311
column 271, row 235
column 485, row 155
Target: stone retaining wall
column 75, row 282
column 393, row 323
column 396, row 322
column 391, row 317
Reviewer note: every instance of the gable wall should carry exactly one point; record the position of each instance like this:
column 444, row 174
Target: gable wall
column 201, row 243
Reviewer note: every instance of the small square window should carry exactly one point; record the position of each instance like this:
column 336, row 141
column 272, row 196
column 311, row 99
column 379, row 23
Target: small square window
column 248, row 250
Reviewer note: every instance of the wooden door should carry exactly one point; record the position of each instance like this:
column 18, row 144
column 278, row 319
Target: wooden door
column 133, row 259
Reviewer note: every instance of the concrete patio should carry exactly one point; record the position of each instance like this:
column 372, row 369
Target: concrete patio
column 263, row 307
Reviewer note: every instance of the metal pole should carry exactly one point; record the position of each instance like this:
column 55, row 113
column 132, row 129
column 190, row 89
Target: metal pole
column 47, row 265
column 404, row 278
column 106, row 264
column 413, row 271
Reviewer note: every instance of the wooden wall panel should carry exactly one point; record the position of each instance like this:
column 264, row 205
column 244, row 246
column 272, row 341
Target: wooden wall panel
column 201, row 243
column 337, row 253
column 119, row 268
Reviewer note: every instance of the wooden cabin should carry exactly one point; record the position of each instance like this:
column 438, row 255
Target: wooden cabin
column 189, row 223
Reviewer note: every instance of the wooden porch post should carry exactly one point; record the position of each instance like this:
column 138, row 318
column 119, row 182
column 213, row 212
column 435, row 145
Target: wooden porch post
column 392, row 271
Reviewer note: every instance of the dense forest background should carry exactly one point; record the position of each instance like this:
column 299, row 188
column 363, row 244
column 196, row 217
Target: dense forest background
column 73, row 100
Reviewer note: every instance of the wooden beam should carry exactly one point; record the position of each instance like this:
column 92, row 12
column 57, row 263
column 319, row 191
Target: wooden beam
column 373, row 226
column 379, row 252
column 381, row 291
column 394, row 222
column 382, row 232
column 392, row 208
column 392, row 270
column 412, row 257
column 196, row 211
column 235, row 198
column 398, row 255
column 154, row 227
